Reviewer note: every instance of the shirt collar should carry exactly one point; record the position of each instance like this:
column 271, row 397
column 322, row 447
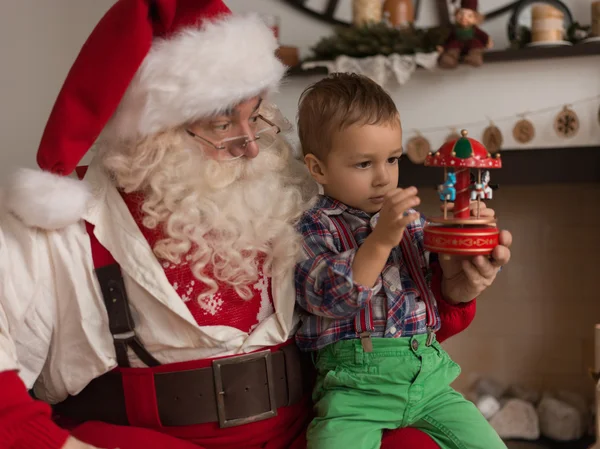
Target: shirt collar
column 331, row 206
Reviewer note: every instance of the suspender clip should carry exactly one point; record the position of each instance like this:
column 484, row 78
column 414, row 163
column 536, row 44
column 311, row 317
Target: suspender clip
column 366, row 342
column 430, row 336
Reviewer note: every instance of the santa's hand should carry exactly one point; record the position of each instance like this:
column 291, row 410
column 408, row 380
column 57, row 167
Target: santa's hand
column 465, row 278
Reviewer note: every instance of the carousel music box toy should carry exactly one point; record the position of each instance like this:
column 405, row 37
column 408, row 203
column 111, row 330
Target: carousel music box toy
column 463, row 233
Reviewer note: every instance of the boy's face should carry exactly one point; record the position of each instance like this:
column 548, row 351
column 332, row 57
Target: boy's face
column 362, row 165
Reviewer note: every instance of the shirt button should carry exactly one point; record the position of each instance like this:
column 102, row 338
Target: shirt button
column 414, row 344
column 393, row 330
column 393, row 289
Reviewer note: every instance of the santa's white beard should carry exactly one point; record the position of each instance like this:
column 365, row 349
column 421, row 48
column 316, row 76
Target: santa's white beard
column 221, row 218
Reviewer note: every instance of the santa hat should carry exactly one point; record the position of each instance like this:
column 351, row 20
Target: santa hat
column 468, row 4
column 149, row 65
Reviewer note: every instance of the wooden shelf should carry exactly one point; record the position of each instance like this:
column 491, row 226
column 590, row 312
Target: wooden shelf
column 521, row 167
column 523, row 54
column 533, row 53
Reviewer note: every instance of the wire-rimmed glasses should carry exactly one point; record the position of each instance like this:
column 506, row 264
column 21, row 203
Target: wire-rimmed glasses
column 235, row 147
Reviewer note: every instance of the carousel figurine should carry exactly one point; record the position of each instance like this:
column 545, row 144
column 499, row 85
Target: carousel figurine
column 463, row 233
column 446, row 190
column 481, row 188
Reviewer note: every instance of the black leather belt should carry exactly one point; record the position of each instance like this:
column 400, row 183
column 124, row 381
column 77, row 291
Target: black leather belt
column 233, row 391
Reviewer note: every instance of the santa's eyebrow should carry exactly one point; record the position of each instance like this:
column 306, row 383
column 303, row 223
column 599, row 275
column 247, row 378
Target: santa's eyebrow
column 231, row 111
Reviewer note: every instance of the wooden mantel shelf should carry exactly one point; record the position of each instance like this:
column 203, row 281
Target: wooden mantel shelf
column 523, row 54
column 528, row 53
column 522, row 167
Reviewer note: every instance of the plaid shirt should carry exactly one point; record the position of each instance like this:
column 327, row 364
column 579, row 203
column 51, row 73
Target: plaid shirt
column 328, row 297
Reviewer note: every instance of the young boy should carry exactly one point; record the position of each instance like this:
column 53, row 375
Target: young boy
column 365, row 286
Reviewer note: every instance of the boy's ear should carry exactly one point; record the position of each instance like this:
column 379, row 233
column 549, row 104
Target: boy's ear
column 316, row 168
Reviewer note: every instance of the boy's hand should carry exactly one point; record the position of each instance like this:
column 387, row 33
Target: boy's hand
column 393, row 218
column 465, row 278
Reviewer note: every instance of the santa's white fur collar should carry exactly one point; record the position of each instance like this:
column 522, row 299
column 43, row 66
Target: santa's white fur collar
column 44, row 200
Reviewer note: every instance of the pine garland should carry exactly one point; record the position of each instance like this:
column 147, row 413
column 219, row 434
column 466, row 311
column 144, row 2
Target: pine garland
column 378, row 39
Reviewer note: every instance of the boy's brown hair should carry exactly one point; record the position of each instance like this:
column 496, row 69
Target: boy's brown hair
column 337, row 102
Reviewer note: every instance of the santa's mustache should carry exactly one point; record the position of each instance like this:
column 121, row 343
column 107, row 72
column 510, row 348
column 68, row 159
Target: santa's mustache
column 217, row 174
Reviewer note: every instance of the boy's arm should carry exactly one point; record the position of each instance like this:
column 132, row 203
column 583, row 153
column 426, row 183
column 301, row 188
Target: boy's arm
column 369, row 261
column 325, row 279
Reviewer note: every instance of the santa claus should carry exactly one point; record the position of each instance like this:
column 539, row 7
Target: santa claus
column 152, row 302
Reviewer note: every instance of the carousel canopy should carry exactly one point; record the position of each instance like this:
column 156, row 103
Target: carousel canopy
column 463, row 152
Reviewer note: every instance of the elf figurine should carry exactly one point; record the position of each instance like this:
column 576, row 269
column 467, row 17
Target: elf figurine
column 466, row 41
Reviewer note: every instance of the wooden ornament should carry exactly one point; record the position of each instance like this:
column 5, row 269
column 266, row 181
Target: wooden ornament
column 492, row 139
column 452, row 136
column 566, row 123
column 524, row 131
column 417, row 149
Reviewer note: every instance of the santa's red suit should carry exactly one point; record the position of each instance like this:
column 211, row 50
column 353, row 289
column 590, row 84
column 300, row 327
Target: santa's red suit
column 133, row 350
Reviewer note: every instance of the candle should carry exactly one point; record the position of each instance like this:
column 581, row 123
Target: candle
column 401, row 12
column 365, row 12
column 547, row 24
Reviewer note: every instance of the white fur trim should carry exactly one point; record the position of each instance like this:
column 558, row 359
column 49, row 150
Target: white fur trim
column 196, row 73
column 44, row 200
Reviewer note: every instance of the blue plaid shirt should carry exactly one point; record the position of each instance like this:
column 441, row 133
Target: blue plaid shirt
column 328, row 297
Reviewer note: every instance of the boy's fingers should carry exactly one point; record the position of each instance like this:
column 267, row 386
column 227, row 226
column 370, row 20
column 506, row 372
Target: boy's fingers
column 402, row 207
column 398, row 195
column 405, row 221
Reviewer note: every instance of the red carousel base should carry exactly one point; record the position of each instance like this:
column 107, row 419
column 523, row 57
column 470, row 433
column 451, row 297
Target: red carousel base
column 464, row 240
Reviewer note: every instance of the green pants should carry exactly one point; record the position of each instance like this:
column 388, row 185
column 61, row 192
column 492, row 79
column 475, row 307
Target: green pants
column 402, row 383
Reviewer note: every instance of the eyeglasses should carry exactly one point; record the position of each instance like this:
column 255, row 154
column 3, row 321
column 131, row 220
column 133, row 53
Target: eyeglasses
column 235, row 147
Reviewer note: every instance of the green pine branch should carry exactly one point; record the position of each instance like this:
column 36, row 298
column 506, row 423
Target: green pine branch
column 377, row 39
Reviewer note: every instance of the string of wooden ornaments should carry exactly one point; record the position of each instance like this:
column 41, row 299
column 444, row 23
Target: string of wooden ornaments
column 566, row 125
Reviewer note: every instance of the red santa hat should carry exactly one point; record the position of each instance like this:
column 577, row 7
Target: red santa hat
column 468, row 4
column 154, row 64
column 149, row 65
